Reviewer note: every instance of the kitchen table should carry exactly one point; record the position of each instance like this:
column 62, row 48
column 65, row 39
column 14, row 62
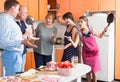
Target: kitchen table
column 79, row 70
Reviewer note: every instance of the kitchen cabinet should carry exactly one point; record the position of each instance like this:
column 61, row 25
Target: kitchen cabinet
column 30, row 63
column 117, row 57
column 42, row 9
column 36, row 8
column 59, row 54
column 90, row 5
column 78, row 7
column 2, row 5
column 106, row 5
column 64, row 6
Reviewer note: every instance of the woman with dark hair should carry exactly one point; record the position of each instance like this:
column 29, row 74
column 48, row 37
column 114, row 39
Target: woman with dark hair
column 71, row 37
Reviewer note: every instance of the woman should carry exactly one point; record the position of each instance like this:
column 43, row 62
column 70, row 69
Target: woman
column 71, row 38
column 90, row 49
column 47, row 33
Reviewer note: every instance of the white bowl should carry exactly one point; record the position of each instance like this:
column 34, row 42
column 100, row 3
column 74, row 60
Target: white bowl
column 65, row 71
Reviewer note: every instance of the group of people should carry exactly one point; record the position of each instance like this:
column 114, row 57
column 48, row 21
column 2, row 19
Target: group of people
column 14, row 39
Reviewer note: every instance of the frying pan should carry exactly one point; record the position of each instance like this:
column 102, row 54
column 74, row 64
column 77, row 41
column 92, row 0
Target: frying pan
column 110, row 18
column 29, row 20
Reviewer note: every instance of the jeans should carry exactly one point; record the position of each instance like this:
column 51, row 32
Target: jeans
column 12, row 61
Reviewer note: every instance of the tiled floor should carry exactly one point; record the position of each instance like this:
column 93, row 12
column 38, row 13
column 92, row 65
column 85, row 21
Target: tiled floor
column 84, row 80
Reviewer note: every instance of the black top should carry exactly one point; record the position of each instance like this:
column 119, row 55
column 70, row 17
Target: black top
column 70, row 51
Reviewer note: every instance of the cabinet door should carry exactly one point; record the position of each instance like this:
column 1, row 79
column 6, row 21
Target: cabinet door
column 24, row 2
column 117, row 56
column 59, row 54
column 76, row 7
column 90, row 5
column 106, row 5
column 64, row 6
column 43, row 10
column 30, row 63
column 2, row 5
column 33, row 8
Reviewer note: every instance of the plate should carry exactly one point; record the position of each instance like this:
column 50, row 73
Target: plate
column 47, row 72
column 51, row 78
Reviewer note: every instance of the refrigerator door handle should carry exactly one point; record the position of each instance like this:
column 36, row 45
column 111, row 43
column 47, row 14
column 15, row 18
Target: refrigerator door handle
column 106, row 35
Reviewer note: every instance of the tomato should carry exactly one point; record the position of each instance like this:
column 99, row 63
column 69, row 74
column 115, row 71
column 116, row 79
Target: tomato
column 60, row 64
column 65, row 64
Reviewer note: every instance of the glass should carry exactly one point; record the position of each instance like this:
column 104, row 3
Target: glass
column 75, row 60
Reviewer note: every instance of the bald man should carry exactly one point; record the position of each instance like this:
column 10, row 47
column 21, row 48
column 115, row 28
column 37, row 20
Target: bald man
column 22, row 15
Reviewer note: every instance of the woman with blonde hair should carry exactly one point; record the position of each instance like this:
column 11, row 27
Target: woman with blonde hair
column 46, row 31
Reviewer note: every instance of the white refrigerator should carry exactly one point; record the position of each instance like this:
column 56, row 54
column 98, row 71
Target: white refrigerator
column 106, row 45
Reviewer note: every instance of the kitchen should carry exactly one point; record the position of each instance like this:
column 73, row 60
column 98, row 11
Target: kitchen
column 39, row 9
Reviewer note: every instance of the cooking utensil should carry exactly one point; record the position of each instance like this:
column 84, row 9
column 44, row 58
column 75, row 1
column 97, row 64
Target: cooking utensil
column 30, row 20
column 110, row 18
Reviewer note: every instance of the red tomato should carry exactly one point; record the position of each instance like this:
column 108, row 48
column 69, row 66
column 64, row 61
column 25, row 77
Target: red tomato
column 60, row 64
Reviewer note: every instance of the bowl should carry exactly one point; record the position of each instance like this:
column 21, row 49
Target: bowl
column 65, row 71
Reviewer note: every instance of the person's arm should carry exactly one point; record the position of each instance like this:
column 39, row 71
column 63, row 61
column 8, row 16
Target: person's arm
column 53, row 36
column 58, row 20
column 100, row 35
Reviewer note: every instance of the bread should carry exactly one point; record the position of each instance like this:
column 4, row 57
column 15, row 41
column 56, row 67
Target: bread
column 30, row 74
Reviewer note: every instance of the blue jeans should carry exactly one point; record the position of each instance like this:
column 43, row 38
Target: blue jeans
column 12, row 61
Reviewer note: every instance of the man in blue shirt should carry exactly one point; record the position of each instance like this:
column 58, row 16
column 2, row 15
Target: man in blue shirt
column 11, row 39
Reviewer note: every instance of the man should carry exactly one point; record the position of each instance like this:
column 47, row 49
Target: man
column 20, row 19
column 11, row 40
column 22, row 15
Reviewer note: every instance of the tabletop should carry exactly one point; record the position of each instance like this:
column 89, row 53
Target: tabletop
column 79, row 70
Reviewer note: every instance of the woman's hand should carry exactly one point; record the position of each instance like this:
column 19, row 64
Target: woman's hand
column 53, row 37
column 69, row 38
column 32, row 37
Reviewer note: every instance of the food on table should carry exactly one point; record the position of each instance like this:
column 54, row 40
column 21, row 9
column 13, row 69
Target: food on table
column 65, row 68
column 50, row 66
column 65, row 64
column 30, row 74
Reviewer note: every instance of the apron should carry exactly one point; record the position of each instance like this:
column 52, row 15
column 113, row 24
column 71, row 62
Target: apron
column 90, row 52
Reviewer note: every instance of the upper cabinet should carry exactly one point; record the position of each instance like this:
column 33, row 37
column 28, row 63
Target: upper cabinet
column 90, row 5
column 36, row 8
column 78, row 7
column 64, row 6
column 107, row 5
column 2, row 5
column 42, row 9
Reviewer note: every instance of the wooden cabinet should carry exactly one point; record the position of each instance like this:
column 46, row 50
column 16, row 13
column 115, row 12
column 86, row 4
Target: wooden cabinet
column 2, row 5
column 36, row 8
column 59, row 54
column 107, row 5
column 30, row 63
column 42, row 8
column 78, row 7
column 117, row 47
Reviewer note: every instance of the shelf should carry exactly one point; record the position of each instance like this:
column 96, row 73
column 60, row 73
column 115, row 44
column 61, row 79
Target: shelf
column 53, row 10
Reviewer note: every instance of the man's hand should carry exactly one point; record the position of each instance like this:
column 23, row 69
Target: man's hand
column 27, row 43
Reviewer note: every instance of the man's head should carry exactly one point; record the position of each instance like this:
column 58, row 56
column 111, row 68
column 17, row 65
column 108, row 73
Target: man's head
column 11, row 7
column 23, row 12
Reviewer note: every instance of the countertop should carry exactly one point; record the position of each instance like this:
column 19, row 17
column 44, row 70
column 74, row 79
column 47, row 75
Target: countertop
column 55, row 47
